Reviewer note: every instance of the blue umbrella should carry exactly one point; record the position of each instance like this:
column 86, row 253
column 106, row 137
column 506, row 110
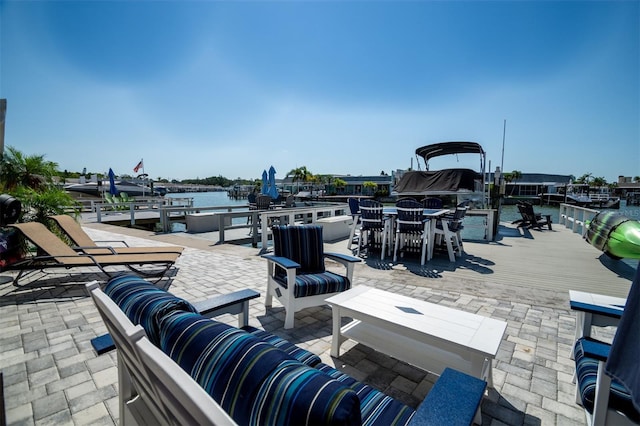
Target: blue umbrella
column 273, row 190
column 265, row 184
column 112, row 183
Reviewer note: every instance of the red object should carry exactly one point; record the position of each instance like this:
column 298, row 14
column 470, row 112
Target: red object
column 138, row 166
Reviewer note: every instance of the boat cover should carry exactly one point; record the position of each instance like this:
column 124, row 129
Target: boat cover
column 447, row 180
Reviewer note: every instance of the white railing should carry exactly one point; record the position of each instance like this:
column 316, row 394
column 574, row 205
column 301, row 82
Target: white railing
column 307, row 214
column 576, row 217
column 151, row 204
column 299, row 214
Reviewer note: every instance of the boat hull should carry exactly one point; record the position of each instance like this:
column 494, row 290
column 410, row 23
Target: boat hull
column 616, row 235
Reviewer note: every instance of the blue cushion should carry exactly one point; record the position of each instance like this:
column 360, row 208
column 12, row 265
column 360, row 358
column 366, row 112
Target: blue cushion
column 302, row 355
column 376, row 408
column 144, row 303
column 314, row 284
column 302, row 244
column 587, row 374
column 253, row 381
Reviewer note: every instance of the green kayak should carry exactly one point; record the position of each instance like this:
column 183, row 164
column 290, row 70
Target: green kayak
column 616, row 235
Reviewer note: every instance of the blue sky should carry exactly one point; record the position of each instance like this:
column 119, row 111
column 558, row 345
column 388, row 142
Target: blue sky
column 207, row 88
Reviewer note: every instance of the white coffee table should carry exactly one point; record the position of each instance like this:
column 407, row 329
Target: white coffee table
column 423, row 334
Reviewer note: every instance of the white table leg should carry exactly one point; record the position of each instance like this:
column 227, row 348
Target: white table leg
column 335, row 339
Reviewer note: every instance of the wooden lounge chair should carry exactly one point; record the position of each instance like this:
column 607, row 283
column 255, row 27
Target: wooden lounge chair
column 52, row 252
column 530, row 219
column 83, row 241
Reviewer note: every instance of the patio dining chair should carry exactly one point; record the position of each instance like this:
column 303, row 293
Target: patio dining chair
column 296, row 272
column 411, row 228
column 373, row 227
column 449, row 229
column 431, row 203
column 354, row 207
column 608, row 376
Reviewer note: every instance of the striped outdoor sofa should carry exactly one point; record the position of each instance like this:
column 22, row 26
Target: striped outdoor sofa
column 244, row 375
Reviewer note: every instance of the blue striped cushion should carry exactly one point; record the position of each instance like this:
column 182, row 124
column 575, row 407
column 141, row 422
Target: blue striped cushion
column 376, row 408
column 302, row 355
column 253, row 381
column 144, row 303
column 587, row 374
column 313, row 284
column 302, row 244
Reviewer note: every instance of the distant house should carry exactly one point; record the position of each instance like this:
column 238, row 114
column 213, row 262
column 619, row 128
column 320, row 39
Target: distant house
column 354, row 185
column 534, row 184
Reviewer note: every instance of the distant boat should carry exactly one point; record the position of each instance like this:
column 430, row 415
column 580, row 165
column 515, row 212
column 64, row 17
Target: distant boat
column 599, row 200
column 131, row 188
column 463, row 184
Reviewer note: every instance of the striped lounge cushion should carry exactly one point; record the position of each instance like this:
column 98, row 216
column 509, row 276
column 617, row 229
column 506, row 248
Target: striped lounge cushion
column 144, row 303
column 376, row 408
column 302, row 244
column 587, row 374
column 302, row 355
column 253, row 381
column 314, row 284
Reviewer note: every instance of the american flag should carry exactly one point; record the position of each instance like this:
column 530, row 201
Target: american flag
column 138, row 166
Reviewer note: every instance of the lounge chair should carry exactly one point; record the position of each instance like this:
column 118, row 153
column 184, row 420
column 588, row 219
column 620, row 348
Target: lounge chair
column 296, row 271
column 608, row 385
column 83, row 242
column 52, row 252
column 531, row 219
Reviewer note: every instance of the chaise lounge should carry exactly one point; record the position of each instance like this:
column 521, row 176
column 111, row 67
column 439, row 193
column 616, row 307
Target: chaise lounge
column 84, row 242
column 176, row 366
column 52, row 252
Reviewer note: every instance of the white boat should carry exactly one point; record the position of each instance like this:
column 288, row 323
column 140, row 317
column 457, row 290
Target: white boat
column 97, row 189
column 465, row 185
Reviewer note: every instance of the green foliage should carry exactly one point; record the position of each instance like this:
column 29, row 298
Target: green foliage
column 213, row 181
column 28, row 178
column 17, row 169
column 38, row 204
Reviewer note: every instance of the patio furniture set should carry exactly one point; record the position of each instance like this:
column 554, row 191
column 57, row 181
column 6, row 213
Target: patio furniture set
column 176, row 364
column 408, row 226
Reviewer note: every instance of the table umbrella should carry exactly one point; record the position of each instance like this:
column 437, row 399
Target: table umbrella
column 265, row 184
column 112, row 183
column 273, row 190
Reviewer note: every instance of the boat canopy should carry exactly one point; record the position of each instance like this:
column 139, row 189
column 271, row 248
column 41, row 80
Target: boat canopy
column 446, row 148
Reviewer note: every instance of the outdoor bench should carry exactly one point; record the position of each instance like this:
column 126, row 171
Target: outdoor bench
column 176, row 366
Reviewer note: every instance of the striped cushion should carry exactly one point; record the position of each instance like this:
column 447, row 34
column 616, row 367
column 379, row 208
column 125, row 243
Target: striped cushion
column 302, row 355
column 376, row 408
column 313, row 284
column 144, row 303
column 302, row 244
column 587, row 374
column 253, row 381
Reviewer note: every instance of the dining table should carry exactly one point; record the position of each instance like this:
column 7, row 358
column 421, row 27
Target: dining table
column 431, row 214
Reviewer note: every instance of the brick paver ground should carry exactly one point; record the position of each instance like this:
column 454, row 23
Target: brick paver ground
column 53, row 376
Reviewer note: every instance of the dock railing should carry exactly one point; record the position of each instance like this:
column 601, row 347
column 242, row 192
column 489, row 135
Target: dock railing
column 150, row 204
column 576, row 217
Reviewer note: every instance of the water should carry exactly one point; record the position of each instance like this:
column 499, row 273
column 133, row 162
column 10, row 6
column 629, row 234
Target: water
column 210, row 199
